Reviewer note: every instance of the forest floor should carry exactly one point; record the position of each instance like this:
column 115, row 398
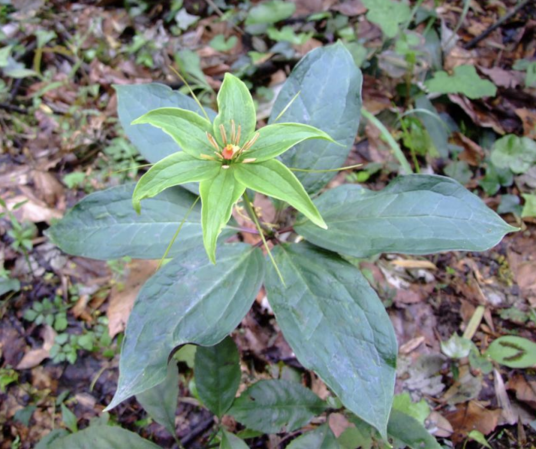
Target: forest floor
column 62, row 318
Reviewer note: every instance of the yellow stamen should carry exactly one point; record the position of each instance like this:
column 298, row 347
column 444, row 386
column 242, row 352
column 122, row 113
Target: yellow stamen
column 213, row 142
column 237, row 141
column 233, row 131
column 249, row 161
column 223, row 134
column 250, row 143
column 207, row 157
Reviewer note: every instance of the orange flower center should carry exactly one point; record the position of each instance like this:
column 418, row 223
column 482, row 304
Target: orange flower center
column 229, row 151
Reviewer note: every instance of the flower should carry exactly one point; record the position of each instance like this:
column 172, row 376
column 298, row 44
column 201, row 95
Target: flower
column 226, row 157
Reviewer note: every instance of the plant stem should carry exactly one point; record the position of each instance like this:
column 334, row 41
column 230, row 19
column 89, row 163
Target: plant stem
column 253, row 215
column 390, row 140
column 177, row 233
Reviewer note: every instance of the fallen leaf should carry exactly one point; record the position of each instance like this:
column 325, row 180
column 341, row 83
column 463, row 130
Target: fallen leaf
column 122, row 299
column 524, row 389
column 472, row 153
column 528, row 117
column 48, row 188
column 35, row 356
column 472, row 416
column 503, row 78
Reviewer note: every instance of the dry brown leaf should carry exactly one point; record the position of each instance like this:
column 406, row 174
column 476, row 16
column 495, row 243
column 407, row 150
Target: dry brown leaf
column 35, row 356
column 338, row 423
column 49, row 189
column 33, row 210
column 472, row 416
column 472, row 153
column 524, row 389
column 503, row 78
column 528, row 117
column 122, row 300
column 440, row 425
column 411, row 263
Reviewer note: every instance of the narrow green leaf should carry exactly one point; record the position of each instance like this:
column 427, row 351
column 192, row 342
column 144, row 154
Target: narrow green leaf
column 134, row 100
column 320, row 438
column 218, row 196
column 189, row 300
column 326, row 85
column 185, row 127
column 103, row 437
column 410, row 432
column 272, row 178
column 230, row 441
column 270, row 12
column 105, row 226
column 276, row 139
column 217, row 375
column 514, row 352
column 235, row 103
column 415, row 214
column 337, row 326
column 274, row 406
column 69, row 418
column 174, row 170
column 160, row 402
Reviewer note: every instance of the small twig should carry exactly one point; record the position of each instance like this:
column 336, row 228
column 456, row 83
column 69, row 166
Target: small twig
column 496, row 25
column 197, row 430
column 11, row 108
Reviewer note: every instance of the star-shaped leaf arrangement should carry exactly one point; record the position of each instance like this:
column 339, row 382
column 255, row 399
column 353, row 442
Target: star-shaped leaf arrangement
column 227, row 157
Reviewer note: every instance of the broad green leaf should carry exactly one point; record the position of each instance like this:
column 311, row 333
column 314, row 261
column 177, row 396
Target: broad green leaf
column 230, row 441
column 514, row 352
column 105, row 226
column 219, row 42
column 327, row 87
column 276, row 139
column 160, row 402
column 51, row 437
column 320, row 438
column 456, row 347
column 218, row 196
column 273, row 406
column 217, row 375
column 189, row 300
column 479, row 438
column 387, row 14
column 270, row 12
column 174, row 170
column 529, row 208
column 272, row 178
column 337, row 326
column 287, row 34
column 103, row 437
column 137, row 99
column 465, row 80
column 418, row 410
column 515, row 153
column 9, row 285
column 408, row 432
column 185, row 127
column 235, row 103
column 415, row 214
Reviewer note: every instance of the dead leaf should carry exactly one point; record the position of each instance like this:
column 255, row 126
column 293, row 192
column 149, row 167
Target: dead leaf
column 49, row 189
column 350, row 8
column 472, row 416
column 411, row 263
column 338, row 423
column 528, row 117
column 524, row 389
column 35, row 356
column 508, row 414
column 122, row 299
column 503, row 78
column 439, row 426
column 33, row 210
column 472, row 153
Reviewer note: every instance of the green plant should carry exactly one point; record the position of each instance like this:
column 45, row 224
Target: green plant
column 326, row 309
column 53, row 313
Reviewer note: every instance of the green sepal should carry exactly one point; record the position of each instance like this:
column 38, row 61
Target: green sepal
column 276, row 139
column 179, row 168
column 186, row 128
column 272, row 178
column 235, row 103
column 218, row 196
